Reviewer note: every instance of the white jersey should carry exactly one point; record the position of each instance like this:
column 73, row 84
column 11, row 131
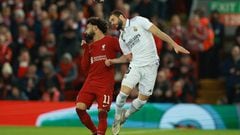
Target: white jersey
column 136, row 39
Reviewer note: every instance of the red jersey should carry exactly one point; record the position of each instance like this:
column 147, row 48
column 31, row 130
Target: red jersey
column 93, row 62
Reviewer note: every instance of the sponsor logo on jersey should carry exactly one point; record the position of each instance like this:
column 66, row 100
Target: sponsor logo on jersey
column 133, row 41
column 98, row 58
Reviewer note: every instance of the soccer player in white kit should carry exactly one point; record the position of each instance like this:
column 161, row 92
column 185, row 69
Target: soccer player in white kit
column 138, row 47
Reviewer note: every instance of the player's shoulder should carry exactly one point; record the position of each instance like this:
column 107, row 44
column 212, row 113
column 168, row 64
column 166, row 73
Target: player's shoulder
column 111, row 39
column 108, row 37
column 138, row 19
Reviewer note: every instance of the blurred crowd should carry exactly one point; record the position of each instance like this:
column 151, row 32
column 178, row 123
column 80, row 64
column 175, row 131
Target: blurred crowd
column 40, row 49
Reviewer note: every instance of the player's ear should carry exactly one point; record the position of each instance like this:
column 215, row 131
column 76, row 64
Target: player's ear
column 121, row 16
column 95, row 28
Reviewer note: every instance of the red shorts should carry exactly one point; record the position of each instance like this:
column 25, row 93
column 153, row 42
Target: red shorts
column 102, row 95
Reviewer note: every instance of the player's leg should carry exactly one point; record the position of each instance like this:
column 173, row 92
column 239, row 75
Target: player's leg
column 84, row 101
column 102, row 125
column 136, row 105
column 121, row 100
column 104, row 100
column 130, row 80
column 146, row 86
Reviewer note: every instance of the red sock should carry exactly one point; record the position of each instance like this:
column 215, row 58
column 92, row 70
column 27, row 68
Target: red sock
column 86, row 120
column 102, row 126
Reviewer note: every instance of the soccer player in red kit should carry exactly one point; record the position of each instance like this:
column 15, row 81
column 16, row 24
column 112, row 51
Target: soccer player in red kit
column 99, row 84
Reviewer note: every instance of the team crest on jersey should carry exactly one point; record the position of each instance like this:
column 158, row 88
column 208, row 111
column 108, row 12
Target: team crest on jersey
column 135, row 29
column 103, row 47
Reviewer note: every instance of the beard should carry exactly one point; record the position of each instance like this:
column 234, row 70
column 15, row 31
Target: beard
column 89, row 37
column 120, row 24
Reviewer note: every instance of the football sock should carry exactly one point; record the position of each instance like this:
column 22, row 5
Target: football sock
column 102, row 125
column 135, row 106
column 86, row 120
column 120, row 101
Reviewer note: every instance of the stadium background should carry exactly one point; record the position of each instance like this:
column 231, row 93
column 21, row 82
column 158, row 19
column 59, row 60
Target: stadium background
column 40, row 57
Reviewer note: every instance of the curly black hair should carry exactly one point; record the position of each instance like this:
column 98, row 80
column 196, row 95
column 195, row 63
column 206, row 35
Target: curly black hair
column 100, row 23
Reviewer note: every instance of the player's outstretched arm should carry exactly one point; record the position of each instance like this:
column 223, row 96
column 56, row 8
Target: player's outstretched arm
column 178, row 49
column 122, row 59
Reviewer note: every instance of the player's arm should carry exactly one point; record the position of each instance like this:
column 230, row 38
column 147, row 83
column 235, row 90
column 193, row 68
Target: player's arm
column 156, row 31
column 147, row 25
column 85, row 61
column 125, row 58
column 122, row 59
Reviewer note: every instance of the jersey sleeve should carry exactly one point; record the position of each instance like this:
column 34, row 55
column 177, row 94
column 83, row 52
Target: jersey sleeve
column 85, row 61
column 143, row 22
column 124, row 48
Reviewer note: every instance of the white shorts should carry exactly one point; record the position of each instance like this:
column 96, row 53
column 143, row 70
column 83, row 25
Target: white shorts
column 145, row 76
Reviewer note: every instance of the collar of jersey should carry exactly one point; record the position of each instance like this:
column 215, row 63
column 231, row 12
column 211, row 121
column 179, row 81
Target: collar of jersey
column 127, row 25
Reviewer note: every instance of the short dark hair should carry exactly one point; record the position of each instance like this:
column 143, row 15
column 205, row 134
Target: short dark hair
column 118, row 13
column 100, row 23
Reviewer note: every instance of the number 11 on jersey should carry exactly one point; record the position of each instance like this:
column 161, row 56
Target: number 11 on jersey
column 106, row 99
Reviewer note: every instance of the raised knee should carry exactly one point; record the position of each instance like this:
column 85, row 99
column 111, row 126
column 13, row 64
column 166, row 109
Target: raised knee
column 81, row 106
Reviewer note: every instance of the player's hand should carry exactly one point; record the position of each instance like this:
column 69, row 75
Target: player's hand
column 108, row 62
column 180, row 49
column 83, row 42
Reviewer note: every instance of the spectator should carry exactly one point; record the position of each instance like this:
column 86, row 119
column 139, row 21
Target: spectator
column 5, row 51
column 219, row 31
column 197, row 33
column 162, row 91
column 186, row 75
column 68, row 71
column 51, row 85
column 98, row 11
column 68, row 42
column 179, row 93
column 146, row 4
column 7, row 81
column 6, row 15
column 21, row 66
column 231, row 72
column 28, row 84
column 237, row 36
column 49, row 47
column 19, row 19
column 177, row 31
column 16, row 94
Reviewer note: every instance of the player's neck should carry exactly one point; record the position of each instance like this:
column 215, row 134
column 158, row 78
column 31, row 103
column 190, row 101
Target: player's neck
column 124, row 23
column 98, row 37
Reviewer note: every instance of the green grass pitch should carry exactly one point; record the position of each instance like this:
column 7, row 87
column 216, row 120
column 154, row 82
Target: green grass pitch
column 124, row 131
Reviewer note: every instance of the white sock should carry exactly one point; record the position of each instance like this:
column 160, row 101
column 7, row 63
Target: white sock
column 135, row 106
column 120, row 101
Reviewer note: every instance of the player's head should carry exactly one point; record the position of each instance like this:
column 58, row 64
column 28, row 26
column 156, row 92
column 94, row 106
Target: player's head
column 117, row 19
column 95, row 25
column 99, row 1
